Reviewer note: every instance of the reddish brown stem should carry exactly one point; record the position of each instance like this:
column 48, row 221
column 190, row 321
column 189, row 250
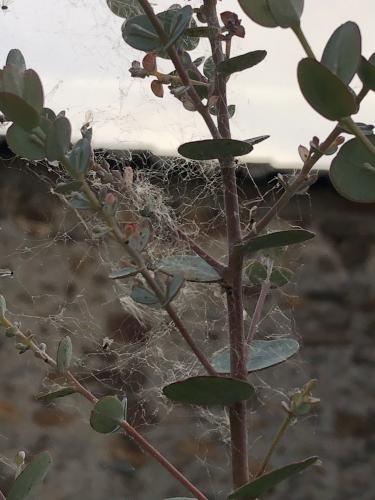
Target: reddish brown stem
column 138, row 259
column 142, row 442
column 238, row 412
column 295, row 186
column 218, row 266
column 182, row 73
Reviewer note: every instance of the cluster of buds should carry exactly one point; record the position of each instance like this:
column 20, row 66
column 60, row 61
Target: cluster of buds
column 149, row 68
column 301, row 401
column 315, row 147
column 232, row 25
column 122, row 179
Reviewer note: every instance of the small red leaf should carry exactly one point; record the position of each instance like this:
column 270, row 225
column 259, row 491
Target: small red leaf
column 303, row 153
column 157, row 88
column 149, row 62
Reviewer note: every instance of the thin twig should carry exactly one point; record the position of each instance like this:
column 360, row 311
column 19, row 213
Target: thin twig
column 218, row 266
column 294, row 187
column 280, row 433
column 129, row 429
column 303, row 40
column 138, row 259
column 181, row 71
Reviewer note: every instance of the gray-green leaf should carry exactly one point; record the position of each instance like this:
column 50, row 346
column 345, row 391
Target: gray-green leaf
column 64, row 354
column 263, row 484
column 342, row 54
column 107, row 414
column 30, row 477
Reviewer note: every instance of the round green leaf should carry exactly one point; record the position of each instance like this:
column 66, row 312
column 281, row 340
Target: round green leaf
column 80, row 156
column 33, row 90
column 209, row 391
column 209, row 68
column 268, row 481
column 352, row 172
column 261, row 353
column 30, row 477
column 366, row 72
column 125, row 272
column 144, row 296
column 107, row 415
column 17, row 110
column 58, row 139
column 139, row 33
column 60, row 393
column 342, row 53
column 211, row 149
column 324, row 91
column 176, row 21
column 24, row 143
column 244, row 61
column 174, row 286
column 11, row 80
column 125, row 8
column 259, row 12
column 64, row 354
column 15, row 58
column 49, row 114
column 188, row 41
column 275, row 239
column 287, row 13
column 140, row 238
column 191, row 267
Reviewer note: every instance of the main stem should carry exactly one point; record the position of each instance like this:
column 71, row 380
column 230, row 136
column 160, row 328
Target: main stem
column 237, row 412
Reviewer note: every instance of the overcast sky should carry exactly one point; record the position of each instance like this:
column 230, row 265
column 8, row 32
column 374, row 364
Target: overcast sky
column 76, row 47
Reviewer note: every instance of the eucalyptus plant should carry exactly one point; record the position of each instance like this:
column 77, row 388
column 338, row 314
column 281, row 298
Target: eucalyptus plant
column 37, row 133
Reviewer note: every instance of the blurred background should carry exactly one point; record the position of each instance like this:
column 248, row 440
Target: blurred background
column 61, row 286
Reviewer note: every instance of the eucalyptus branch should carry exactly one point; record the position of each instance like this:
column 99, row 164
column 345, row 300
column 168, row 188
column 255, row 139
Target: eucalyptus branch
column 31, row 345
column 294, row 187
column 218, row 266
column 182, row 73
column 302, row 177
column 119, row 236
column 238, row 350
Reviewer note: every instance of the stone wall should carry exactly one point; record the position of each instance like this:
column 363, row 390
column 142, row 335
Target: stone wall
column 60, row 286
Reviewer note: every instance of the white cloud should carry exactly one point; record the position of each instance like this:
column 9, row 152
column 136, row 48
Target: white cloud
column 77, row 49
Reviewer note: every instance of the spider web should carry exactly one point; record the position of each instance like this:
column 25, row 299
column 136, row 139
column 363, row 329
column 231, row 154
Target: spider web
column 175, row 194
